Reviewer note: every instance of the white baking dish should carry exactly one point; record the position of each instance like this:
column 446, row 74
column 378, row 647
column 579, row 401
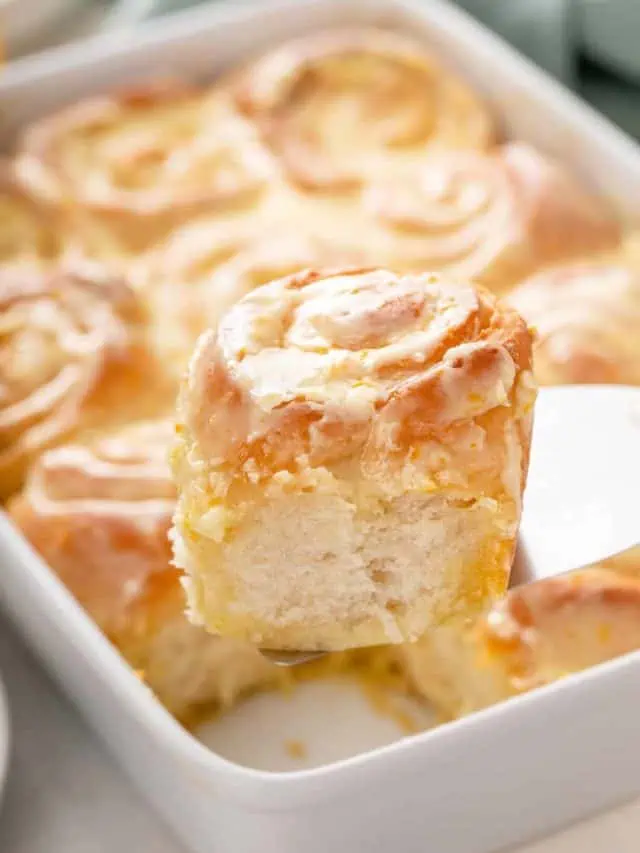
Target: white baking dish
column 494, row 779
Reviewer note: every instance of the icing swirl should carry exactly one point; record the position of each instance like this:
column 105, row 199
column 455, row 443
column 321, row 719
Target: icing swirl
column 66, row 340
column 337, row 107
column 319, row 365
column 155, row 153
column 491, row 218
column 124, row 474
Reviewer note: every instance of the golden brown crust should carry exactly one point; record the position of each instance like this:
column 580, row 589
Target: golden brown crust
column 587, row 318
column 321, row 364
column 534, row 636
column 72, row 353
column 543, row 631
column 338, row 106
column 144, row 159
column 99, row 514
column 626, row 563
column 489, row 217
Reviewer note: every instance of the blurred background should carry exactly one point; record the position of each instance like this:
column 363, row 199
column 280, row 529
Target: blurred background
column 591, row 45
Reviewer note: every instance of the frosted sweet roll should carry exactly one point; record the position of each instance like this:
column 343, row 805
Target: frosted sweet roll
column 140, row 161
column 490, row 217
column 338, row 107
column 536, row 635
column 73, row 354
column 587, row 316
column 99, row 512
column 351, row 458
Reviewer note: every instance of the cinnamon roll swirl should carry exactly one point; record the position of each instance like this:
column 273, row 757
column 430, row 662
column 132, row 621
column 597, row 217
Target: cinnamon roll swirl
column 492, row 218
column 99, row 514
column 537, row 634
column 587, row 317
column 145, row 159
column 338, row 107
column 72, row 353
column 352, row 452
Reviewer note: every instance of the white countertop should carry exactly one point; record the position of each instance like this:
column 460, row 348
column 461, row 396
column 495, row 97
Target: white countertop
column 65, row 795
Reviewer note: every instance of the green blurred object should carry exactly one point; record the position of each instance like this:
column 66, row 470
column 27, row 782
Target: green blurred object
column 618, row 99
column 609, row 33
column 544, row 30
column 562, row 37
